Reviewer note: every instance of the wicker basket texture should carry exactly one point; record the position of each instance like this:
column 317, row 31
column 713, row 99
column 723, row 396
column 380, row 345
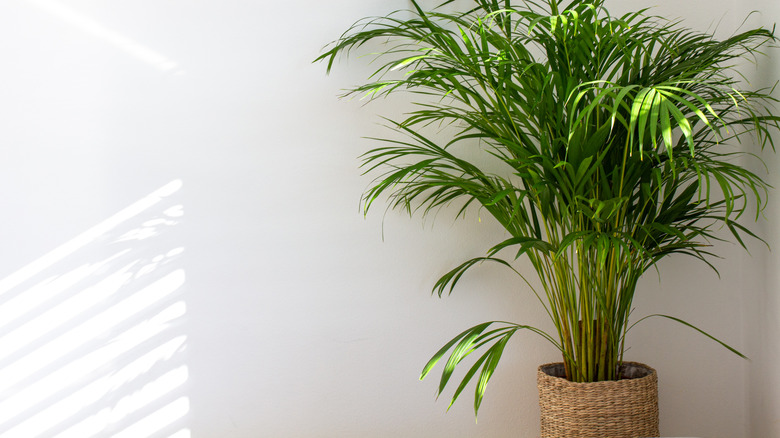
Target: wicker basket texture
column 626, row 408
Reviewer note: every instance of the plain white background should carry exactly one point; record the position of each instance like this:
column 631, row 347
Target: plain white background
column 303, row 318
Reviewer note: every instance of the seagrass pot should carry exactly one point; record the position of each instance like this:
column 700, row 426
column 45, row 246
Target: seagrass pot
column 626, row 408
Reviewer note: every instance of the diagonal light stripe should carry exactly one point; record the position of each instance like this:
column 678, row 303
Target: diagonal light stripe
column 52, row 319
column 94, row 28
column 96, row 326
column 44, row 291
column 88, row 236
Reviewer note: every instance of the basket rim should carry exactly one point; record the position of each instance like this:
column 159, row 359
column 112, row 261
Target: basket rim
column 651, row 375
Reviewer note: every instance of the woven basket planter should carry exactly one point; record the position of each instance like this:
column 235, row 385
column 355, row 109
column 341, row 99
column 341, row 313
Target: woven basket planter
column 625, row 408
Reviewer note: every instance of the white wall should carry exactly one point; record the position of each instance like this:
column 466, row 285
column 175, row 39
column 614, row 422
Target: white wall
column 300, row 320
column 763, row 308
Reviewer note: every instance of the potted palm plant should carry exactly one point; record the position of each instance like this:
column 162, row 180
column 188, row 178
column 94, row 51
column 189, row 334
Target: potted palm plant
column 612, row 142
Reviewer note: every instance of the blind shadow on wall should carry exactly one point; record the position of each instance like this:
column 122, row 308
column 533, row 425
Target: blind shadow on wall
column 92, row 334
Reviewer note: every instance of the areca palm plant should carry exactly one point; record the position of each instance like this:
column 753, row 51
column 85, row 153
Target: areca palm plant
column 615, row 141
